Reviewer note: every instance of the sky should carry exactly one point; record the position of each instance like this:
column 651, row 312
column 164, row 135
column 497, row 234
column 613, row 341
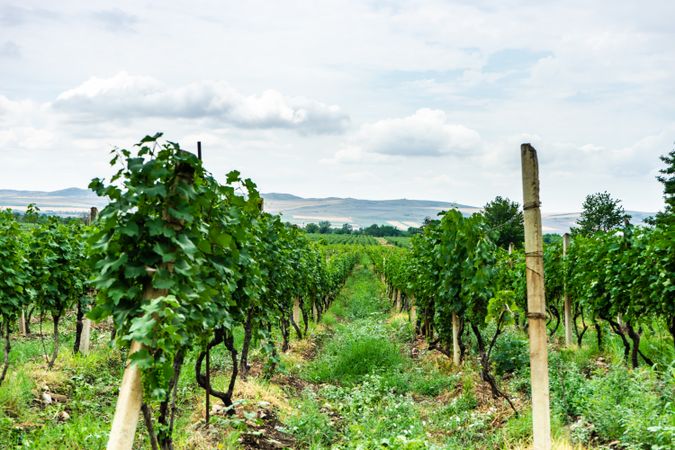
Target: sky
column 368, row 99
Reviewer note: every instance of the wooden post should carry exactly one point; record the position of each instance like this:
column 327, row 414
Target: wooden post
column 398, row 300
column 566, row 297
column 130, row 397
column 455, row 340
column 536, row 303
column 85, row 336
column 22, row 323
column 128, row 407
column 296, row 310
column 208, row 377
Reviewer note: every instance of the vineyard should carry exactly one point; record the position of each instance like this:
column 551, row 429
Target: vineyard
column 184, row 316
column 351, row 239
column 399, row 241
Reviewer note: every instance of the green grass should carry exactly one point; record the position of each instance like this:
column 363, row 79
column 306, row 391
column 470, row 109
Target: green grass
column 361, row 346
column 354, row 353
column 310, row 424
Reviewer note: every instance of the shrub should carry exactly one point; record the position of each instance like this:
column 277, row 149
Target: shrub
column 310, row 426
column 377, row 417
column 634, row 408
column 510, row 353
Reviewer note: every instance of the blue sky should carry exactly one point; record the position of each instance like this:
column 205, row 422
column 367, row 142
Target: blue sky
column 368, row 99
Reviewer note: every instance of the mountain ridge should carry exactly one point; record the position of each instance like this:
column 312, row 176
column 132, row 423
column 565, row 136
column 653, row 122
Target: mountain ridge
column 401, row 213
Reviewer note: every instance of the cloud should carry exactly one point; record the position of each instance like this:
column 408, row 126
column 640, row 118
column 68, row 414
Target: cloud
column 352, row 154
column 591, row 86
column 115, row 19
column 20, row 113
column 12, row 16
column 124, row 95
column 9, row 49
column 27, row 138
column 426, row 133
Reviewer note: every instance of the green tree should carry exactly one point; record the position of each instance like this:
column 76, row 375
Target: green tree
column 324, row 227
column 58, row 269
column 346, row 229
column 312, row 228
column 552, row 238
column 506, row 219
column 600, row 212
column 667, row 216
column 12, row 279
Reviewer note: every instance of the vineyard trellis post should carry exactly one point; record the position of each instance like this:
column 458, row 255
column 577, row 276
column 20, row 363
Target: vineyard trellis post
column 456, row 353
column 297, row 313
column 566, row 296
column 22, row 323
column 536, row 303
column 130, row 396
column 85, row 337
column 207, row 399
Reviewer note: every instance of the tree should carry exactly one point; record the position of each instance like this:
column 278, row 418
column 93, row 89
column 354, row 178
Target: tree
column 324, row 227
column 414, row 230
column 381, row 230
column 506, row 220
column 12, row 279
column 59, row 271
column 667, row 216
column 312, row 228
column 346, row 229
column 600, row 213
column 552, row 238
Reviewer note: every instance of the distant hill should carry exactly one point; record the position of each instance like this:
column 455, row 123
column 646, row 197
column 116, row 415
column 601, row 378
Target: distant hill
column 401, row 213
column 64, row 202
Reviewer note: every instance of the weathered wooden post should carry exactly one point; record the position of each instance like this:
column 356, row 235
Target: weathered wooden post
column 297, row 317
column 130, row 397
column 536, row 303
column 455, row 340
column 85, row 336
column 566, row 296
column 22, row 323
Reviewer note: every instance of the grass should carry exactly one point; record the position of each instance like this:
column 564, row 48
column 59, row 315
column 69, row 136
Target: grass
column 362, row 345
column 353, row 355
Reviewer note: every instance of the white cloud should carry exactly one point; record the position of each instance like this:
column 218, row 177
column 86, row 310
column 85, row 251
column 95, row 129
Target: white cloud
column 10, row 50
column 590, row 84
column 124, row 95
column 426, row 133
column 115, row 20
column 26, row 138
column 352, row 154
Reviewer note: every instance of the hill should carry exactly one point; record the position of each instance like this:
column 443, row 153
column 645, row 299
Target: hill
column 401, row 213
